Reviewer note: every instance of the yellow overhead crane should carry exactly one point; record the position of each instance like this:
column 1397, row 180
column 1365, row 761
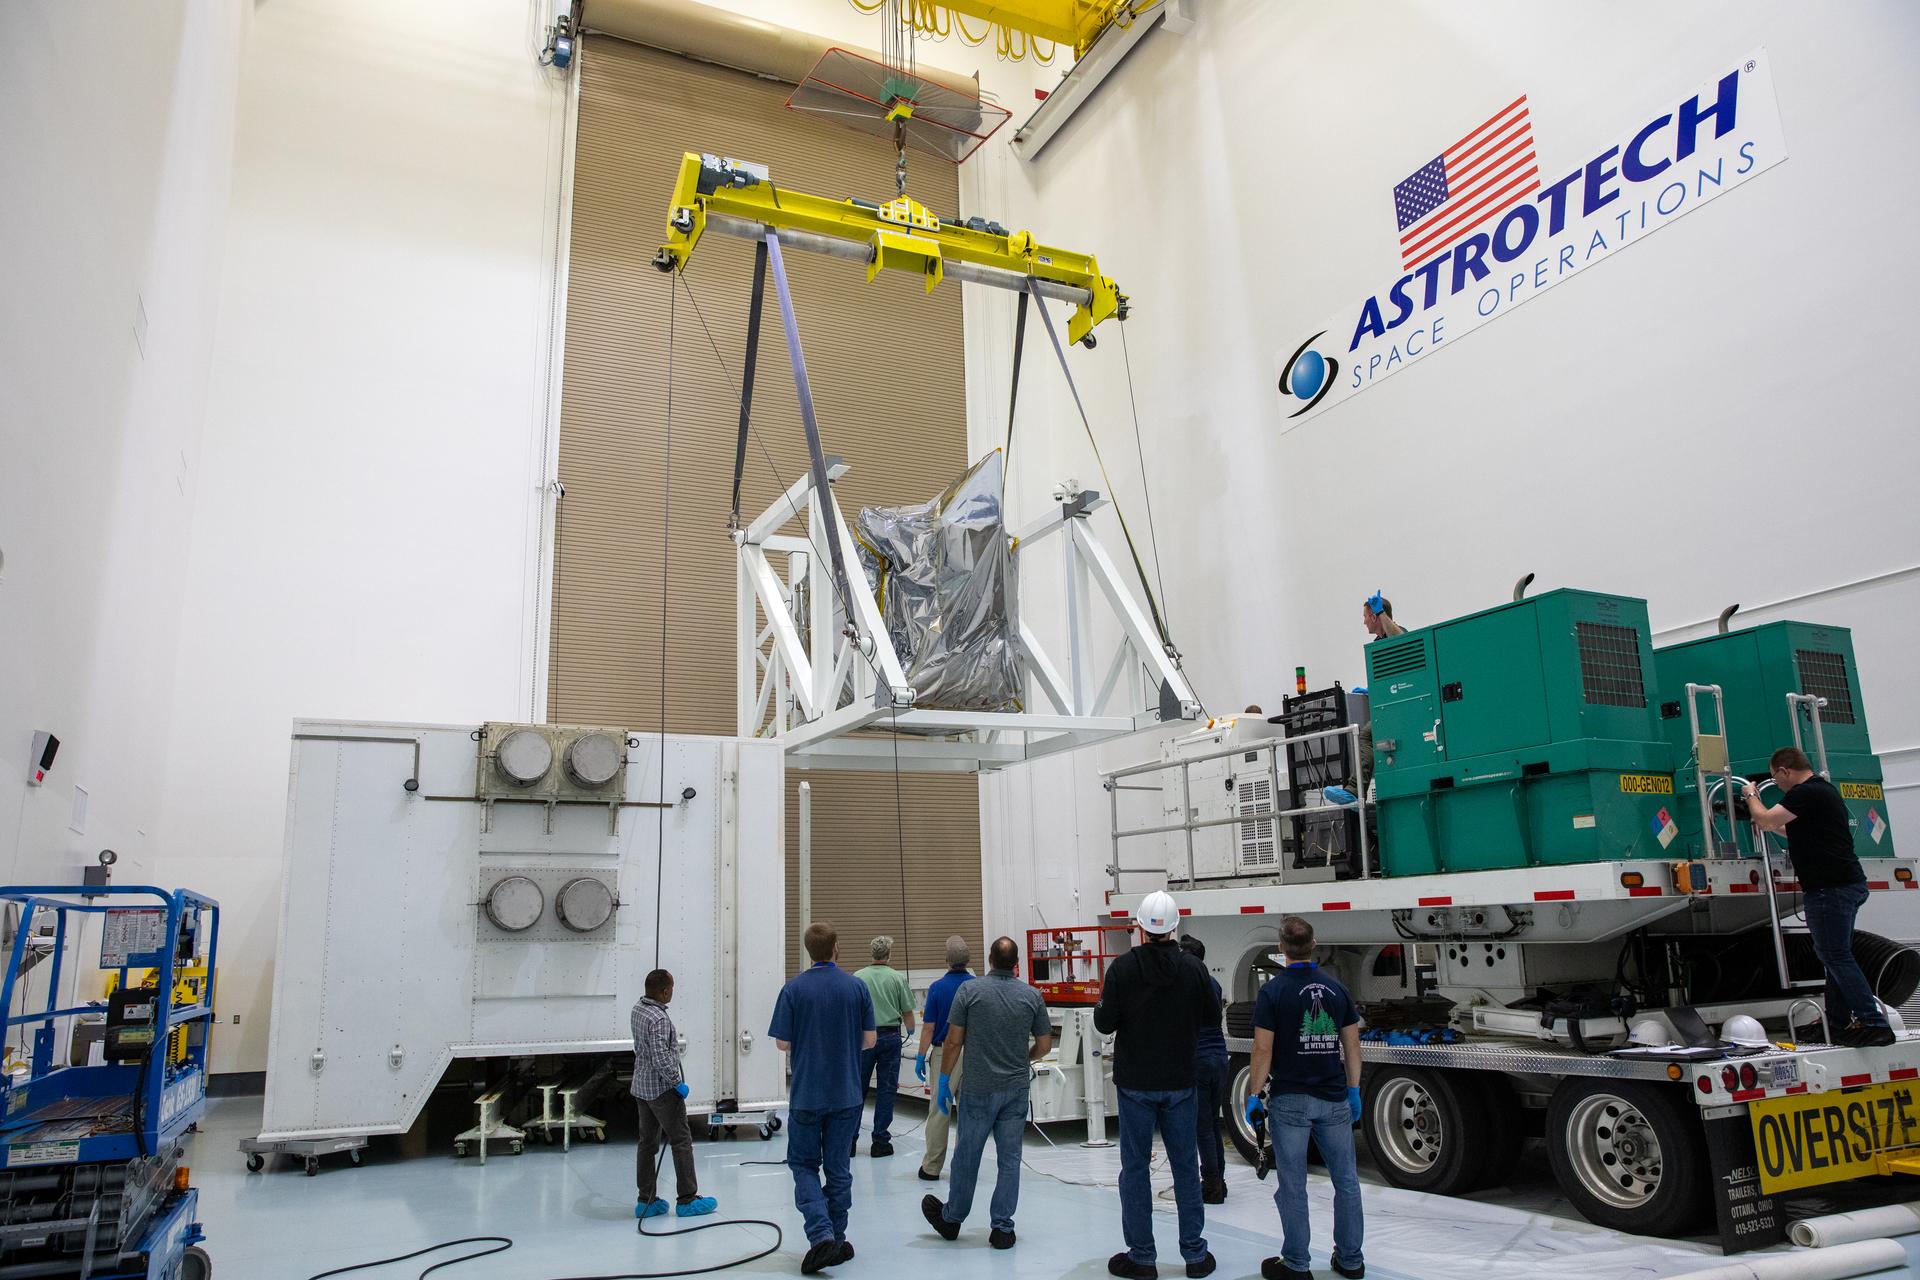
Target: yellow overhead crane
column 738, row 198
column 1074, row 23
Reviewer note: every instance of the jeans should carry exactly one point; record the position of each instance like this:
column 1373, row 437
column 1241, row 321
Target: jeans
column 885, row 1055
column 1830, row 914
column 816, row 1138
column 1293, row 1119
column 1170, row 1111
column 664, row 1119
column 1003, row 1113
column 1210, row 1094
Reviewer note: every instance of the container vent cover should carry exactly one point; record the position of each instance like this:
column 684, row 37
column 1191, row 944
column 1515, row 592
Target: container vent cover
column 1824, row 675
column 1610, row 674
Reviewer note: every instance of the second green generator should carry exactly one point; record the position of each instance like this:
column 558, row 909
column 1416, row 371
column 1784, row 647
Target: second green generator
column 1523, row 735
column 1756, row 668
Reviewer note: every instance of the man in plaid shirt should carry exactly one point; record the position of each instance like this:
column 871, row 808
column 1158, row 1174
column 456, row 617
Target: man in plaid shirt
column 660, row 1090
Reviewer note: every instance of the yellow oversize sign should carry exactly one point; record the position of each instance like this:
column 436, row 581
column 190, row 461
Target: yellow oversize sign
column 1815, row 1138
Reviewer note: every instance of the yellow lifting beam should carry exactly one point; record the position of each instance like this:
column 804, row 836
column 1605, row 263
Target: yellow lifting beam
column 1075, row 23
column 736, row 198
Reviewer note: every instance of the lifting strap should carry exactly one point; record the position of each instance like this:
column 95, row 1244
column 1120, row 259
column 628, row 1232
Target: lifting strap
column 803, row 390
column 746, row 378
column 1153, row 605
column 1013, row 397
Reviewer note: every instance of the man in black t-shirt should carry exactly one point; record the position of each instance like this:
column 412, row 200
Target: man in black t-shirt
column 1820, row 843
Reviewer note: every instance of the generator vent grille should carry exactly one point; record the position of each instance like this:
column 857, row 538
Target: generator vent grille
column 1610, row 673
column 1824, row 675
column 1398, row 659
column 1255, row 795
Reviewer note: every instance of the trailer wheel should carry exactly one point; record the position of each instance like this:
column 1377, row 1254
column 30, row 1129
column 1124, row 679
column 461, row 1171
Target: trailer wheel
column 1629, row 1155
column 1425, row 1128
column 1245, row 1141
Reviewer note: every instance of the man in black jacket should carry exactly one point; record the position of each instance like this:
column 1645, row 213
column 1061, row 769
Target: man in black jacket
column 1154, row 1000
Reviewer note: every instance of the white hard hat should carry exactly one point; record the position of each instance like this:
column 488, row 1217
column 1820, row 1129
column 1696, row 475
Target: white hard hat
column 1650, row 1032
column 1158, row 913
column 1743, row 1030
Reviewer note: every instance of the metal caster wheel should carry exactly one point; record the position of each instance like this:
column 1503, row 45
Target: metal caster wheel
column 773, row 1123
column 256, row 1162
column 356, row 1155
column 313, row 1165
column 766, row 1133
column 459, row 1149
column 195, row 1264
column 517, row 1147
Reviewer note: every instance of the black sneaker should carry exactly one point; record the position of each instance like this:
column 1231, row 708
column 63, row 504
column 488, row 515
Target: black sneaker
column 936, row 1215
column 1213, row 1191
column 1204, row 1267
column 1356, row 1274
column 929, row 1177
column 1121, row 1265
column 1000, row 1239
column 1274, row 1269
column 881, row 1149
column 820, row 1257
column 1859, row 1035
column 846, row 1252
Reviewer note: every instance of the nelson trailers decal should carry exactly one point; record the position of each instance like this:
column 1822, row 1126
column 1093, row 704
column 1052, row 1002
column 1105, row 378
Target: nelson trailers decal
column 1480, row 232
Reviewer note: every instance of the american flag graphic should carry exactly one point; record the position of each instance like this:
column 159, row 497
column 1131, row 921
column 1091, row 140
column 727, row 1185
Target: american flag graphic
column 1473, row 181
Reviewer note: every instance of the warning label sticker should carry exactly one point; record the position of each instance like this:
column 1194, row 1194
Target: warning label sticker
column 20, row 1154
column 1646, row 784
column 1664, row 829
column 1876, row 825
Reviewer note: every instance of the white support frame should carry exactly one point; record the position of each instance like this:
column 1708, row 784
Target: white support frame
column 805, row 676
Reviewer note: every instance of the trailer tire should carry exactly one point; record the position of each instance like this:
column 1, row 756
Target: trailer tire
column 1505, row 1129
column 1424, row 1127
column 1629, row 1154
column 1245, row 1141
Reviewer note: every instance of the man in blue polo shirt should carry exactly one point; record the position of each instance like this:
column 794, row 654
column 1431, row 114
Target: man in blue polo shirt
column 933, row 1038
column 823, row 1020
column 1306, row 1050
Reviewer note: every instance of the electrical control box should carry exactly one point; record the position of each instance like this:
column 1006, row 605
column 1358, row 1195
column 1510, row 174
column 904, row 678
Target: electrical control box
column 1756, row 668
column 1523, row 735
column 131, row 1015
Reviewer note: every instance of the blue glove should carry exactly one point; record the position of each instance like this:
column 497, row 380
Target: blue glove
column 920, row 1068
column 946, row 1094
column 1353, row 1102
column 681, row 1089
column 1256, row 1111
column 1339, row 795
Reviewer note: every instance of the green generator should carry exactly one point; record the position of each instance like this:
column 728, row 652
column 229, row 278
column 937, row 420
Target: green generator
column 1756, row 668
column 1524, row 735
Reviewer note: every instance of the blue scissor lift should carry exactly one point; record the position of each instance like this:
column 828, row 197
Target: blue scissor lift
column 92, row 1183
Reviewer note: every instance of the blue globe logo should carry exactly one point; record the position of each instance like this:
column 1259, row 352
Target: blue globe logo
column 1309, row 375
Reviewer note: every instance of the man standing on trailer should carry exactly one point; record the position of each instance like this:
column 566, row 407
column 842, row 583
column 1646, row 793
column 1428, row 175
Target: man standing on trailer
column 999, row 1025
column 1154, row 1000
column 1306, row 1055
column 660, row 1091
column 823, row 1020
column 1209, row 1088
column 1376, row 615
column 933, row 1038
column 1820, row 844
column 892, row 1014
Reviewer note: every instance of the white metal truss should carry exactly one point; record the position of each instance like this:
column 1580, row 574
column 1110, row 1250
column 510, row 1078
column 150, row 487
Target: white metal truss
column 834, row 689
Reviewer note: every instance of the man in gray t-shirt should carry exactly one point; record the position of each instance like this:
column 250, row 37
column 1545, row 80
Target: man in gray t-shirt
column 999, row 1026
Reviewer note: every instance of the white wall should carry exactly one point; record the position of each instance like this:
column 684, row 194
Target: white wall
column 1720, row 415
column 114, row 168
column 367, row 537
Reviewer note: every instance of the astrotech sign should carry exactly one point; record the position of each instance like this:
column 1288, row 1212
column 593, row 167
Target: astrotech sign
column 1479, row 231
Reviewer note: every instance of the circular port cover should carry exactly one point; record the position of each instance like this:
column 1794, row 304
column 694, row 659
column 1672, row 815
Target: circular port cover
column 584, row 904
column 515, row 903
column 524, row 756
column 594, row 759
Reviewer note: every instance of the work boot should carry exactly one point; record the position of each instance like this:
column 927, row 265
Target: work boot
column 929, row 1177
column 1121, row 1265
column 1000, row 1239
column 846, row 1252
column 1274, row 1269
column 881, row 1150
column 1358, row 1273
column 820, row 1257
column 935, row 1212
column 1202, row 1266
column 1213, row 1191
column 1859, row 1035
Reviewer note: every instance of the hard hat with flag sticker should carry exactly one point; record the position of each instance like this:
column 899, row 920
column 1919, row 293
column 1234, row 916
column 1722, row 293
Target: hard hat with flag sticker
column 1159, row 913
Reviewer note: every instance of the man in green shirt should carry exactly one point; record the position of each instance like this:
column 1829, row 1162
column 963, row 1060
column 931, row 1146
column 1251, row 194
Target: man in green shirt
column 892, row 1014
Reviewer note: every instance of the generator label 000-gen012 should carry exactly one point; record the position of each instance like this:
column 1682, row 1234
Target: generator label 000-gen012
column 1646, row 784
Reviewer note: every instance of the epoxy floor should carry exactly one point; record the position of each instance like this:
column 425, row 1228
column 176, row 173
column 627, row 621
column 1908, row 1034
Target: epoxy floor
column 571, row 1215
